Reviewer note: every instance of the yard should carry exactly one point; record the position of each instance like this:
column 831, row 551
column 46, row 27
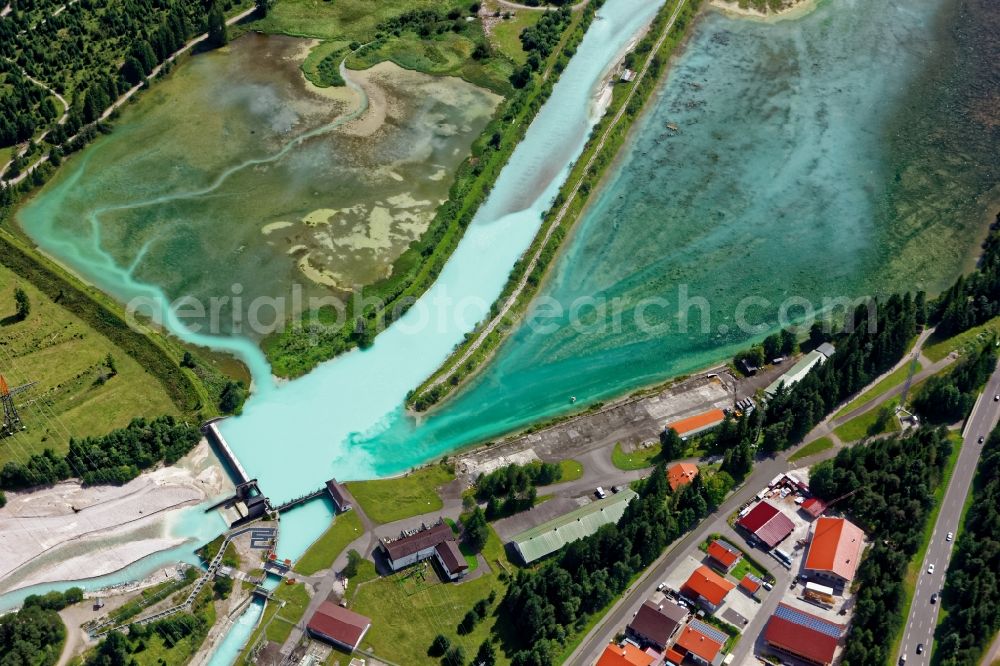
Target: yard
column 571, row 470
column 388, row 500
column 421, row 607
column 76, row 394
column 322, row 553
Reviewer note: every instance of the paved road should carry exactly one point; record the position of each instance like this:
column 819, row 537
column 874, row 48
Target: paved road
column 922, row 620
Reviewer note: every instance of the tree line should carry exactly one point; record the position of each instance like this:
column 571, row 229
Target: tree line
column 971, row 593
column 115, row 458
column 548, row 604
column 887, row 487
column 949, row 398
column 973, row 299
column 34, row 635
column 511, row 489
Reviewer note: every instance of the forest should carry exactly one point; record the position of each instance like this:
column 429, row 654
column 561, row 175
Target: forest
column 115, row 458
column 548, row 604
column 887, row 487
column 973, row 299
column 948, row 398
column 971, row 596
column 31, row 636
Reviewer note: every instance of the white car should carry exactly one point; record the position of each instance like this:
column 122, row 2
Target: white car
column 949, row 537
column 930, row 569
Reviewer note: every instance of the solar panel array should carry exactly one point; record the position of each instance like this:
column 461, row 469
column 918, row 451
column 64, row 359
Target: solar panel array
column 715, row 634
column 808, row 621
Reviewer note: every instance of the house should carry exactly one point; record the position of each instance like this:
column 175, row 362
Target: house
column 803, row 635
column 656, row 624
column 693, row 425
column 340, row 626
column 750, row 584
column 552, row 535
column 835, row 549
column 826, row 349
column 625, row 654
column 767, row 524
column 437, row 541
column 699, row 642
column 339, row 495
column 681, row 474
column 707, row 588
column 724, row 555
column 813, row 507
column 795, row 374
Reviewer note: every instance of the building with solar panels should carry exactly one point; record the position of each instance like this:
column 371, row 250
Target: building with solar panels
column 802, row 635
column 550, row 536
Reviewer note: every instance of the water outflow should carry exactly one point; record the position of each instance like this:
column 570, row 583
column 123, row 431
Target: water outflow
column 326, row 424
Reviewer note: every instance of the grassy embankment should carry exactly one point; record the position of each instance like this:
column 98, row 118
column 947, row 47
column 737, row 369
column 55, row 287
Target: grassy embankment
column 568, row 206
column 915, row 569
column 812, row 448
column 571, row 470
column 296, row 350
column 892, row 381
column 938, row 348
column 346, row 528
column 874, row 422
column 388, row 500
column 424, row 607
column 63, row 344
column 640, row 459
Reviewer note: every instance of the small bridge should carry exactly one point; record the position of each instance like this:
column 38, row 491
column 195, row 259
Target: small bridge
column 302, row 499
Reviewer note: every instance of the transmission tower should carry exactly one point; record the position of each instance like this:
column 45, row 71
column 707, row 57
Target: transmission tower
column 11, row 419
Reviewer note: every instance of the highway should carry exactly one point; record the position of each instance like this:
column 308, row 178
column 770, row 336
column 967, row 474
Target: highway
column 922, row 619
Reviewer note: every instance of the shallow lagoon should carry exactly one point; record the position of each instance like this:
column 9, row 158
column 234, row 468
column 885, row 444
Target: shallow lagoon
column 248, row 175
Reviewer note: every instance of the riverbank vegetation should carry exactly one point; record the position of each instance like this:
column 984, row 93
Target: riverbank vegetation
column 887, row 486
column 115, row 458
column 652, row 53
column 971, row 596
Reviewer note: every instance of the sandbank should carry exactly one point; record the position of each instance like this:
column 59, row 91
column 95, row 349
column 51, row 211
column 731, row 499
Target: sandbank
column 795, row 10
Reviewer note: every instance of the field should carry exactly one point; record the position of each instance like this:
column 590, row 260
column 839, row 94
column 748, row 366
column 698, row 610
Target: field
column 388, row 500
column 571, row 470
column 76, row 394
column 812, row 448
column 864, row 425
column 345, row 529
column 423, row 607
column 505, row 34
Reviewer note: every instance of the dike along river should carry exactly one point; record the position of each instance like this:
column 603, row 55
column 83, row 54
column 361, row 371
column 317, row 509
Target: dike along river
column 840, row 154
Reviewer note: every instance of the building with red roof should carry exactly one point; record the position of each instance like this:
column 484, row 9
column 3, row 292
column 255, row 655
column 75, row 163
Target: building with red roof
column 835, row 549
column 693, row 425
column 767, row 524
column 814, row 507
column 339, row 626
column 803, row 635
column 699, row 642
column 681, row 474
column 707, row 587
column 724, row 554
column 751, row 584
column 625, row 654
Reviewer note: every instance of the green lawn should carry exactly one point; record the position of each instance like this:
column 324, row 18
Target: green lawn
column 571, row 470
column 915, row 570
column 812, row 448
column 421, row 607
column 68, row 359
column 890, row 382
column 859, row 427
column 938, row 348
column 637, row 460
column 387, row 500
column 321, row 554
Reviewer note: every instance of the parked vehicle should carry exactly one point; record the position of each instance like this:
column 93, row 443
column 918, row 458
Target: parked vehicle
column 600, row 493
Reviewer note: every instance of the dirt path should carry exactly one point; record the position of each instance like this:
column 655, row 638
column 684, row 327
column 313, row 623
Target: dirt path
column 556, row 221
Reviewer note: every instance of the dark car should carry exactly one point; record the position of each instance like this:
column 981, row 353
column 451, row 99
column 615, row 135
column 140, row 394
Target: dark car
column 920, row 648
column 934, row 598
